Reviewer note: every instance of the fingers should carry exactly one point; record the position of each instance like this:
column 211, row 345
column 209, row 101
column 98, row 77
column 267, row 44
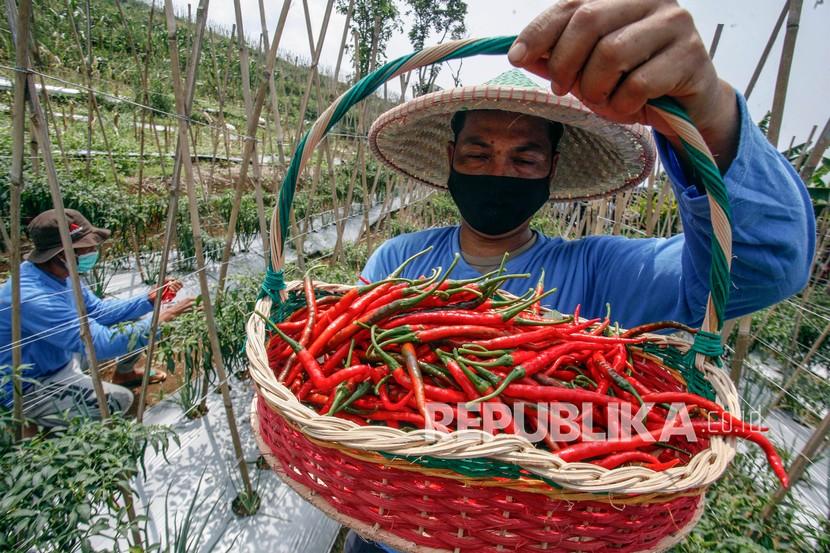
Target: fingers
column 618, row 54
column 660, row 76
column 541, row 34
column 173, row 284
column 586, row 31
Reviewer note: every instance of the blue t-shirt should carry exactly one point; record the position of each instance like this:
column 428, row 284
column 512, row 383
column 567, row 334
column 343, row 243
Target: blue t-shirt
column 50, row 328
column 652, row 279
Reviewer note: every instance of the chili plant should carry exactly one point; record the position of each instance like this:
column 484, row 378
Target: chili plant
column 61, row 490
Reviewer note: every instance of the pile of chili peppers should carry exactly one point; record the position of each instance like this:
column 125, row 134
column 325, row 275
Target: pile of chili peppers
column 380, row 353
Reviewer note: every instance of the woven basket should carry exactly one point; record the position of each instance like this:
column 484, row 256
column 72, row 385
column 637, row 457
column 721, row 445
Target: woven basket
column 377, row 480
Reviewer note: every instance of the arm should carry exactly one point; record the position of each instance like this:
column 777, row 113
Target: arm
column 773, row 243
column 114, row 311
column 57, row 319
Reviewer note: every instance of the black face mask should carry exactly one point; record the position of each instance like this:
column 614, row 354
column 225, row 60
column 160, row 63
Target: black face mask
column 494, row 205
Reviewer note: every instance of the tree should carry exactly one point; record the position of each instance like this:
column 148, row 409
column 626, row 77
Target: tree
column 439, row 18
column 374, row 21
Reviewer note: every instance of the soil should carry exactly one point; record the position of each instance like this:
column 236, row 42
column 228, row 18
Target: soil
column 155, row 392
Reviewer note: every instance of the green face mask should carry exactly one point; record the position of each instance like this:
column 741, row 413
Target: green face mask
column 87, row 261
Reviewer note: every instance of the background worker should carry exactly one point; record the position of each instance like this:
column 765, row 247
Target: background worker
column 55, row 384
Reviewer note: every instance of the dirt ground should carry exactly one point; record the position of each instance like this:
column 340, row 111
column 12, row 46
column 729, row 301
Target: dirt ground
column 155, row 392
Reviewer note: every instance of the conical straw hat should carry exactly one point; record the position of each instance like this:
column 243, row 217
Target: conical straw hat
column 597, row 157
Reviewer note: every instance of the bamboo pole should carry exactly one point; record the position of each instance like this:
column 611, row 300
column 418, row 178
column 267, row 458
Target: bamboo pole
column 765, row 54
column 145, row 96
column 251, row 138
column 42, row 136
column 715, row 41
column 172, row 206
column 312, row 73
column 349, row 13
column 15, row 186
column 783, row 79
column 184, row 145
column 92, row 102
column 90, row 94
column 812, row 161
column 802, row 155
column 313, row 81
column 806, row 456
column 248, row 150
column 272, row 88
column 741, row 348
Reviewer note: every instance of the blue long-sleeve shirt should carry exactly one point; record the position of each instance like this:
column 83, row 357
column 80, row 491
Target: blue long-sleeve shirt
column 653, row 279
column 50, row 327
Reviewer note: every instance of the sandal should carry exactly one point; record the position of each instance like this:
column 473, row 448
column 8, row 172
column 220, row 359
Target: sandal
column 156, row 377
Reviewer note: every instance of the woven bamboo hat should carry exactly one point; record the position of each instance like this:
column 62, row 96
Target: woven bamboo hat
column 597, row 157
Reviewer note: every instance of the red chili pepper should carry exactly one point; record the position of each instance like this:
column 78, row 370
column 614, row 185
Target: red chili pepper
column 321, row 381
column 411, row 361
column 588, row 450
column 396, row 406
column 613, row 461
column 335, row 358
column 311, row 304
column 167, row 292
column 346, row 317
column 536, row 364
column 460, row 378
column 694, row 399
column 706, row 428
column 660, row 467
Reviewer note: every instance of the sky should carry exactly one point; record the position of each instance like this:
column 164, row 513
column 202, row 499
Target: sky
column 747, row 25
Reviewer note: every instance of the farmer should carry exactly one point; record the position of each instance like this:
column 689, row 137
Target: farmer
column 505, row 148
column 54, row 383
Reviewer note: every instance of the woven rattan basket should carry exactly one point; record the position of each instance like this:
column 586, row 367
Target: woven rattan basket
column 390, row 485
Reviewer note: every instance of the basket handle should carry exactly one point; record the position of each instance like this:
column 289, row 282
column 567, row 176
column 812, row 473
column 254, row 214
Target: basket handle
column 707, row 341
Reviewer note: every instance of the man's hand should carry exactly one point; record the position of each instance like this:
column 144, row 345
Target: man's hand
column 171, row 286
column 173, row 310
column 615, row 55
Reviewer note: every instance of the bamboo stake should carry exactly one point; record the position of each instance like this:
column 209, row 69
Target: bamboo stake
column 251, row 138
column 715, row 41
column 806, row 456
column 806, row 146
column 90, row 94
column 15, row 186
column 92, row 102
column 599, row 224
column 248, row 150
column 741, row 348
column 184, row 146
column 50, row 113
column 313, row 80
column 765, row 54
column 312, row 73
column 822, row 144
column 349, row 13
column 172, row 207
column 272, row 88
column 783, row 79
column 42, row 137
column 145, row 96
